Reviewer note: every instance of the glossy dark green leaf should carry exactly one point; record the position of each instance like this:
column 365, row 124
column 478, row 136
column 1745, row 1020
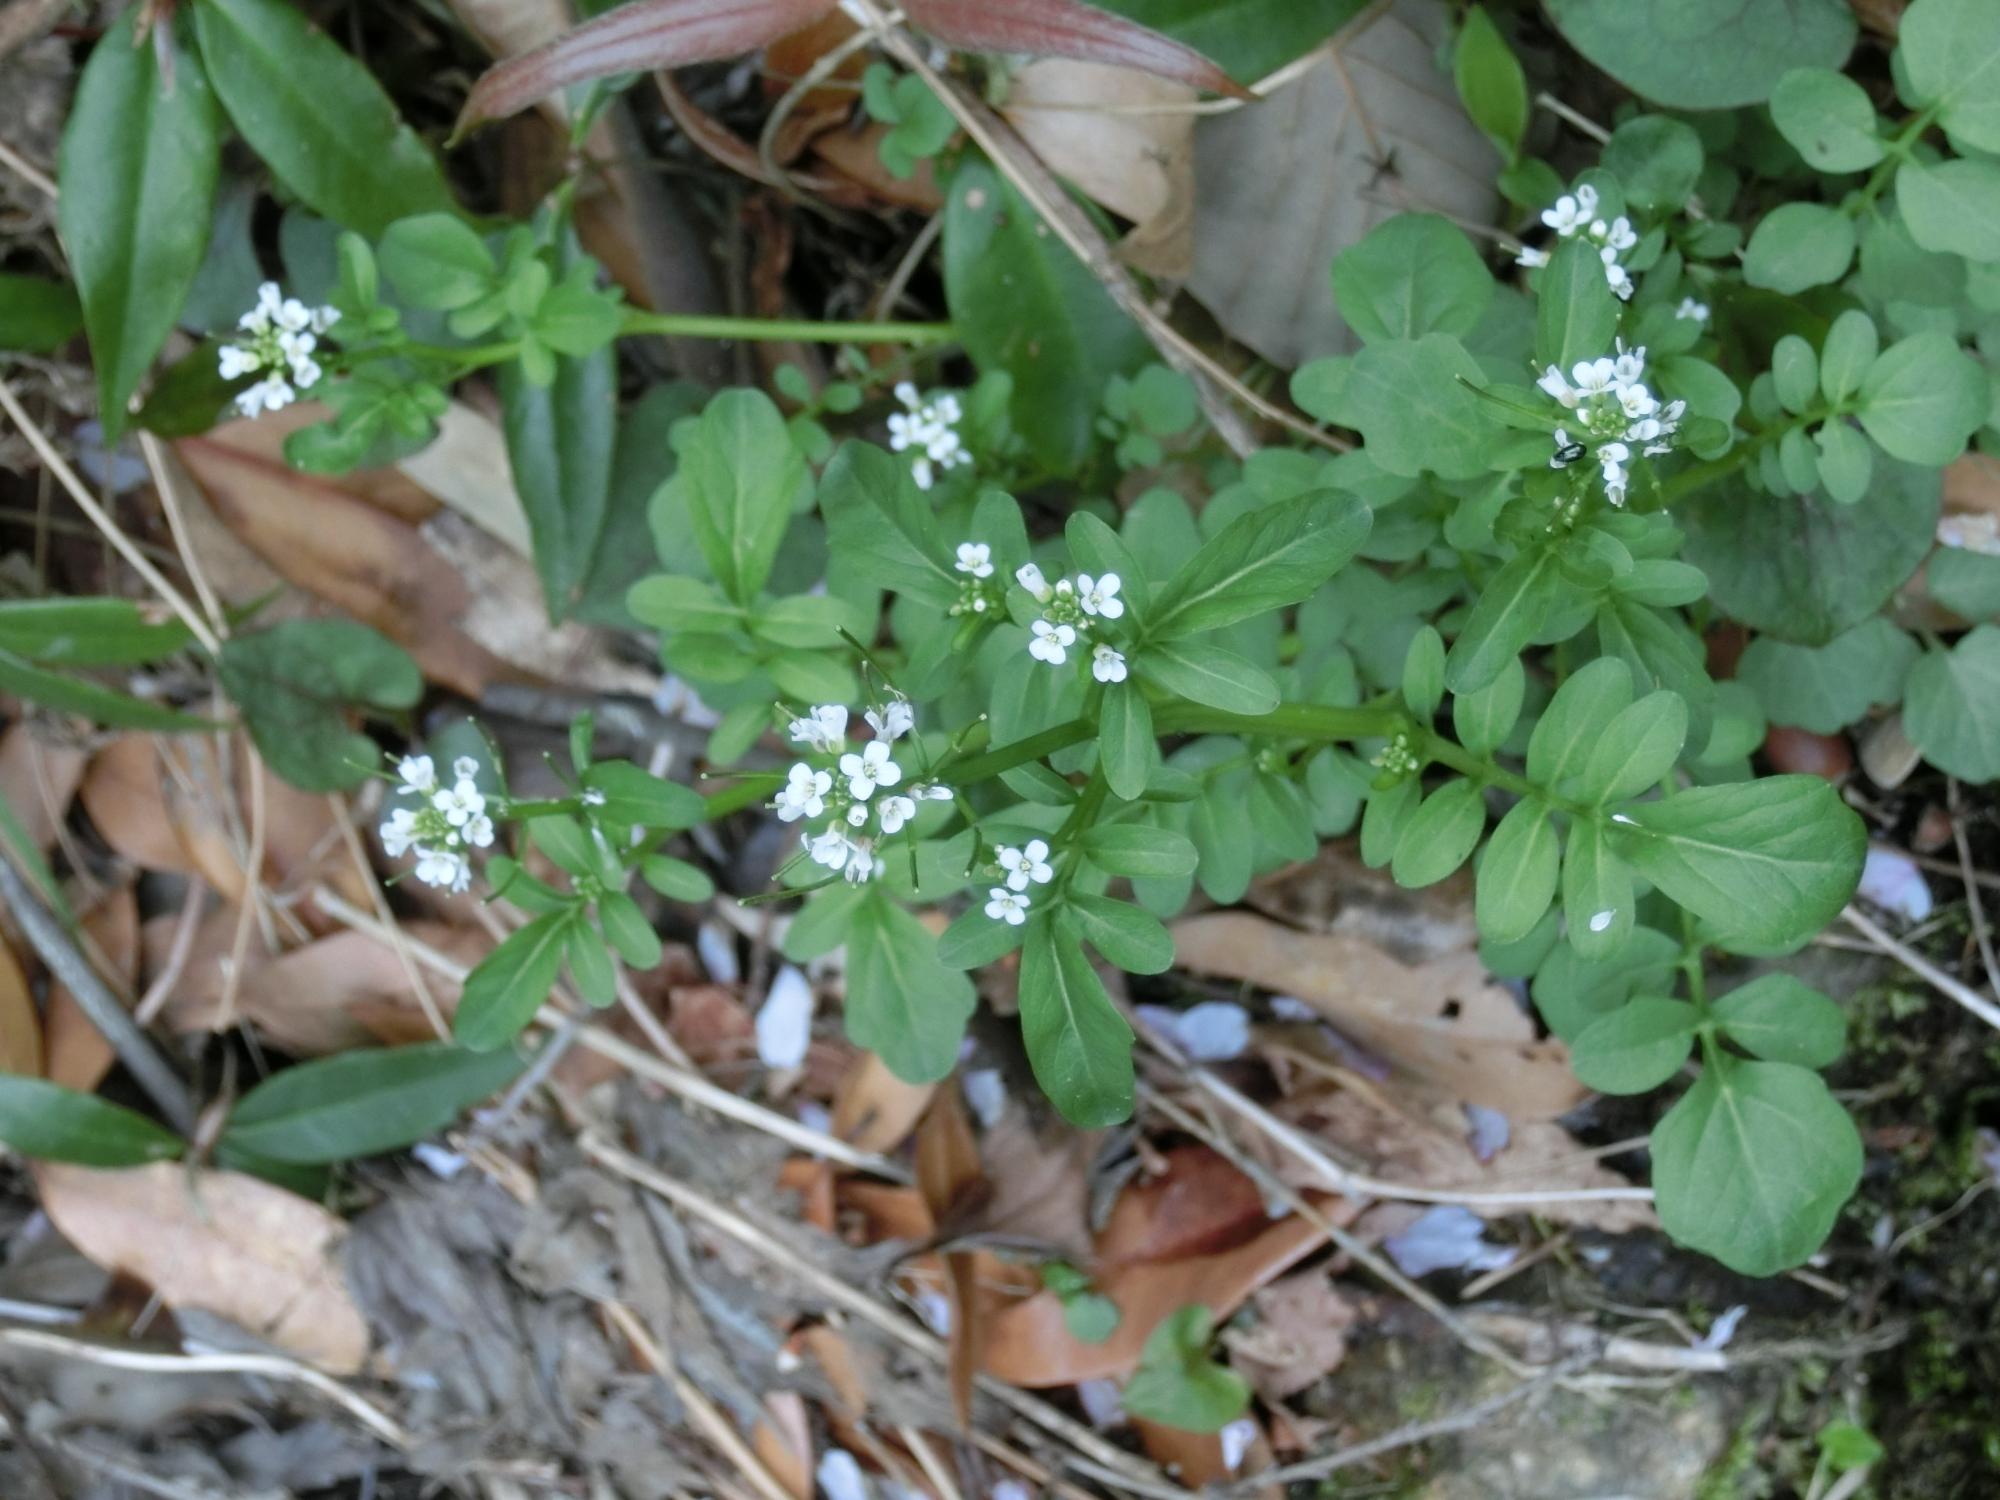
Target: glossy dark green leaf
column 1576, row 314
column 87, row 632
column 293, row 684
column 137, row 174
column 316, row 116
column 1509, row 613
column 511, row 983
column 742, row 478
column 37, row 314
column 1078, row 1043
column 44, row 1121
column 366, row 1102
column 903, row 1003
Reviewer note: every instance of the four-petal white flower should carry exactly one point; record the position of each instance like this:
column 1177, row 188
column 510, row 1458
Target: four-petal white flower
column 1026, row 865
column 1107, row 664
column 975, row 558
column 823, row 728
column 870, row 769
column 1099, row 596
column 1051, row 643
column 803, row 794
column 1003, row 905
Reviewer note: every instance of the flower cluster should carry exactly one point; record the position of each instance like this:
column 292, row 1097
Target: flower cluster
column 1020, row 868
column 977, row 593
column 1692, row 310
column 931, row 430
column 279, row 335
column 857, row 819
column 1069, row 610
column 1577, row 214
column 1613, row 411
column 450, row 823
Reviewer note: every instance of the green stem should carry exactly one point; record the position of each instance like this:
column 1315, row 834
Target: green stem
column 803, row 330
column 1896, row 152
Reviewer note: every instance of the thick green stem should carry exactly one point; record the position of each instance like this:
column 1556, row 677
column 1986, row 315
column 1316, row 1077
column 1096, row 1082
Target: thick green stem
column 802, row 330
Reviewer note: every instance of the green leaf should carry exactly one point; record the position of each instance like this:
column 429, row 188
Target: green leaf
column 1922, row 398
column 1248, row 38
column 560, row 441
column 292, row 684
column 823, row 923
column 1411, row 275
column 1805, row 569
column 1952, row 206
column 1177, row 1384
column 676, row 604
column 1125, row 935
column 1767, row 864
column 137, row 176
column 437, row 261
column 1575, row 719
column 1440, row 835
column 37, row 314
column 1510, row 611
column 882, row 526
column 1382, row 821
column 1078, row 1044
column 1090, row 1317
column 1517, row 873
column 1850, row 348
column 86, row 632
column 316, row 116
column 1138, row 849
column 366, row 1102
column 590, row 966
column 1753, row 1164
column 76, row 695
column 1410, row 399
column 1826, row 688
column 1844, row 465
column 1794, row 373
column 1656, row 161
column 1485, row 717
column 44, row 1121
column 635, row 797
column 676, row 879
column 1125, row 743
column 1209, row 675
column 1636, row 1048
column 1797, row 246
column 1828, row 118
column 1847, row 1446
column 1782, row 1019
column 1272, row 557
column 1571, row 991
column 1965, row 582
column 1706, row 54
column 1598, row 909
column 1951, row 706
column 1950, row 52
column 1490, row 82
column 903, row 1003
column 1023, row 304
column 743, row 479
column 1635, row 750
column 1423, row 674
column 974, row 940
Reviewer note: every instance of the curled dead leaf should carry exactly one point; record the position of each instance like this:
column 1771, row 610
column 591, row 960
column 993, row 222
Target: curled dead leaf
column 76, row 1054
column 1447, row 1021
column 38, row 777
column 875, row 1110
column 221, row 1242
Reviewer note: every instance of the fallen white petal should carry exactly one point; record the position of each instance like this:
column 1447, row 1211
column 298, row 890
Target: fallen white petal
column 1891, row 880
column 1447, row 1238
column 718, row 953
column 840, row 1477
column 784, row 1020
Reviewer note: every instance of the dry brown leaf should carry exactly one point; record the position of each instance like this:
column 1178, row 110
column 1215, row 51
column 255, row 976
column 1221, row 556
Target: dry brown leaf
column 345, row 550
column 1285, row 186
column 20, row 1024
column 1447, row 1021
column 124, row 792
column 1039, row 1169
column 857, row 157
column 1029, row 1344
column 1972, row 485
column 782, row 1441
column 222, row 1242
column 1139, row 165
column 875, row 1110
column 1335, row 892
column 1199, row 1205
column 1300, row 1335
column 952, row 1180
column 77, row 1055
column 1195, row 1459
column 38, row 777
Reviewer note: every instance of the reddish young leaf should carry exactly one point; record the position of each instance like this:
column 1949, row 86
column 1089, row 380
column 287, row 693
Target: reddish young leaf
column 635, row 38
column 1067, row 28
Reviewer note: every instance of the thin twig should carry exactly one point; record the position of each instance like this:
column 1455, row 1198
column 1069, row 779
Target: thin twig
column 914, row 1337
column 899, row 279
column 253, row 895
column 168, row 979
column 823, row 68
column 1982, row 934
column 94, row 998
column 275, row 1366
column 1923, row 968
column 1572, row 118
column 106, row 522
column 390, row 930
column 26, row 169
column 168, row 488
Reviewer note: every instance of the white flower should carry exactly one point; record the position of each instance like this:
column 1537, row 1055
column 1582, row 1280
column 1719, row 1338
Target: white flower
column 234, row 360
column 1003, row 905
column 269, row 394
column 1618, row 235
column 975, row 558
column 1692, row 311
column 324, row 318
column 857, row 814
column 1025, row 865
column 907, row 394
column 870, row 769
column 1629, row 367
column 1616, row 278
column 465, row 768
column 1637, row 401
column 399, row 832
column 1672, row 413
column 803, row 794
column 1030, row 578
column 1570, row 213
column 1100, row 596
column 1554, row 384
column 459, row 803
column 1595, row 377
column 1107, row 665
column 1530, row 257
column 920, row 471
column 1562, row 458
column 932, row 793
column 593, row 796
column 895, row 812
column 862, row 865
column 895, row 720
column 444, row 868
column 418, row 774
column 1051, row 643
column 829, row 848
column 823, row 728
column 478, row 831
